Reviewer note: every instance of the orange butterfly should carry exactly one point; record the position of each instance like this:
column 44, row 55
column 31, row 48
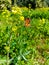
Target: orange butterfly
column 27, row 22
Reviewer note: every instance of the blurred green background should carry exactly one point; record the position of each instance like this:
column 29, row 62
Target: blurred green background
column 20, row 44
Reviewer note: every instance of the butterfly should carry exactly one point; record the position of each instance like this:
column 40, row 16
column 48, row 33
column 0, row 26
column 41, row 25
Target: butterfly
column 27, row 22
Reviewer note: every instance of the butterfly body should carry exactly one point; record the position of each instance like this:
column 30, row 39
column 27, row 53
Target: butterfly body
column 27, row 22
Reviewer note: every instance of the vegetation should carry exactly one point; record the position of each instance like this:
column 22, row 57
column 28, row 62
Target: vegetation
column 24, row 32
column 20, row 44
column 22, row 3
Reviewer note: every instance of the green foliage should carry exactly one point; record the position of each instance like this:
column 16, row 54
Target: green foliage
column 25, row 45
column 5, row 4
column 38, row 13
column 26, row 3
